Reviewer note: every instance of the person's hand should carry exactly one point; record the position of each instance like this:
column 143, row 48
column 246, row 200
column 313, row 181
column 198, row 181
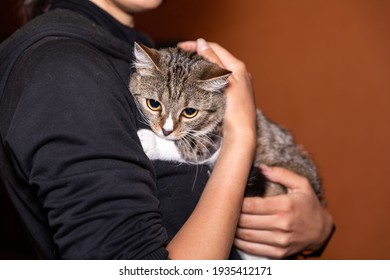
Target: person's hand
column 210, row 230
column 240, row 115
column 283, row 225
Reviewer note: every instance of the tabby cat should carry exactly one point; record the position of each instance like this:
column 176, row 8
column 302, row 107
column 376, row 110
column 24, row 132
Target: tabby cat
column 181, row 97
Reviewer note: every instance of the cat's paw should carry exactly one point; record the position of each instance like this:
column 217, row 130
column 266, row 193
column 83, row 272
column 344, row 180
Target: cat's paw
column 157, row 148
column 148, row 142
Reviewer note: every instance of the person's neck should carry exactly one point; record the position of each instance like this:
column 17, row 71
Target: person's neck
column 120, row 15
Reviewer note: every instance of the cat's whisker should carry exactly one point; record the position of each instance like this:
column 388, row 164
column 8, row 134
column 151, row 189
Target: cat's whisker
column 219, row 136
column 199, row 141
column 191, row 150
column 144, row 119
column 188, row 146
column 206, row 136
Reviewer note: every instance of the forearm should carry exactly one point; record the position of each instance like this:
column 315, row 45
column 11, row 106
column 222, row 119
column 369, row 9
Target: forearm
column 209, row 232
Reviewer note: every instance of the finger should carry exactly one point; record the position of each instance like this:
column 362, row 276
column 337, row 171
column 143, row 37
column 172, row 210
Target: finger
column 225, row 58
column 292, row 181
column 258, row 222
column 273, row 238
column 260, row 249
column 282, row 222
column 204, row 49
column 265, row 206
column 188, row 46
column 261, row 236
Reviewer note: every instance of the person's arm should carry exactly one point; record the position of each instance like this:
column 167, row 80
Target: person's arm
column 209, row 232
column 284, row 225
column 73, row 137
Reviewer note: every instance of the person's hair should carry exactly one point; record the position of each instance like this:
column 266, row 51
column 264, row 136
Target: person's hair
column 29, row 9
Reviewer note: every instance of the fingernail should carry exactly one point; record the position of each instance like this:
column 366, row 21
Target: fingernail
column 265, row 169
column 201, row 45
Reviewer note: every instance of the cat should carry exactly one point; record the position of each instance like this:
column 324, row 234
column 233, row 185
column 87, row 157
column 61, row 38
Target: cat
column 180, row 95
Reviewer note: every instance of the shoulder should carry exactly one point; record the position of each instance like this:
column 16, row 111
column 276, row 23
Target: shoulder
column 61, row 54
column 61, row 37
column 62, row 77
column 68, row 66
column 69, row 70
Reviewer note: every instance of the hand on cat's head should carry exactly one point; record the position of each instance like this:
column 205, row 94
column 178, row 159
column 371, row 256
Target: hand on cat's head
column 211, row 51
column 203, row 48
column 240, row 115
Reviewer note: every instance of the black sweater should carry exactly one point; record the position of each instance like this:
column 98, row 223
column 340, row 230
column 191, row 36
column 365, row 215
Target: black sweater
column 70, row 157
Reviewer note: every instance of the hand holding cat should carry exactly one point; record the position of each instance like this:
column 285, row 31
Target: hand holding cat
column 283, row 225
column 240, row 115
column 228, row 179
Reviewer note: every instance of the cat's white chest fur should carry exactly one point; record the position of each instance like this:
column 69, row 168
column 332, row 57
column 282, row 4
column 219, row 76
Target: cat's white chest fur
column 157, row 148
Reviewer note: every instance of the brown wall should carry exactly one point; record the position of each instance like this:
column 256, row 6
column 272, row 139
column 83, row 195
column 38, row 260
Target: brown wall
column 321, row 68
column 8, row 19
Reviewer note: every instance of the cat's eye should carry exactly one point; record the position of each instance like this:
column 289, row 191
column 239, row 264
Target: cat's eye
column 190, row 113
column 153, row 105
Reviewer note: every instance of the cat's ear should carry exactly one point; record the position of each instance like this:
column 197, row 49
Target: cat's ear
column 146, row 59
column 214, row 78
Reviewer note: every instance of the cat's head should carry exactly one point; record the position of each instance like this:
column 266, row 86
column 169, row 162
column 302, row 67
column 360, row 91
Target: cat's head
column 179, row 93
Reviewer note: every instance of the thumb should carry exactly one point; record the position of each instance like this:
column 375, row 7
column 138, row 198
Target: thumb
column 291, row 180
column 204, row 49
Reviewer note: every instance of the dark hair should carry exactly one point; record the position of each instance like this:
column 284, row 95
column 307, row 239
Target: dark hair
column 29, row 9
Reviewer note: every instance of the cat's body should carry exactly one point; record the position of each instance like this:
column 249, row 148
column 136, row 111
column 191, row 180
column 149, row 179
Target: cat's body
column 181, row 97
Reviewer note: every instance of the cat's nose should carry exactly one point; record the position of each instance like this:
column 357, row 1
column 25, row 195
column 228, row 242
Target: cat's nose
column 166, row 132
column 168, row 126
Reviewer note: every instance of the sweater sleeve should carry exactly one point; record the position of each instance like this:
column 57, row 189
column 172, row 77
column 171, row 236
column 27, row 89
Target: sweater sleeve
column 73, row 136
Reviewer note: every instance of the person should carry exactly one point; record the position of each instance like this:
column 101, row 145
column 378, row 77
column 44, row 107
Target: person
column 75, row 170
